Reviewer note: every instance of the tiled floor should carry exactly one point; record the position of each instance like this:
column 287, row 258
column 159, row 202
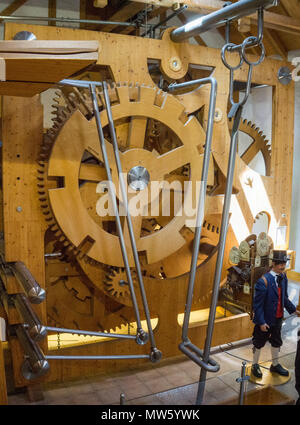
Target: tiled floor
column 173, row 382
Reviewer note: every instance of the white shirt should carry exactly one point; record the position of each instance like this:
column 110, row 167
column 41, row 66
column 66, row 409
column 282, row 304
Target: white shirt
column 275, row 275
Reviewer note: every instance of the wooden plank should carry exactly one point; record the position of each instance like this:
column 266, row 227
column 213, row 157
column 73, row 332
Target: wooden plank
column 52, row 11
column 276, row 42
column 82, row 12
column 53, row 47
column 123, row 15
column 28, row 61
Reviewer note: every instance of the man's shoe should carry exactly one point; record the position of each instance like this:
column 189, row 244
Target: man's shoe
column 279, row 369
column 255, row 369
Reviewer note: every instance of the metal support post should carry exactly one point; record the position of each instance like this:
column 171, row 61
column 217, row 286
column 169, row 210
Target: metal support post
column 155, row 353
column 186, row 346
column 244, row 378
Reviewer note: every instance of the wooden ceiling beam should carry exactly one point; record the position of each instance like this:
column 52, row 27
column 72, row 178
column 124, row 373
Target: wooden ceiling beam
column 9, row 10
column 291, row 8
column 271, row 20
column 276, row 42
column 122, row 15
column 52, row 11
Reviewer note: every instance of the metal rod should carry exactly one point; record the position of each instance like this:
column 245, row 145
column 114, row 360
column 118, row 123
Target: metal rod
column 35, row 364
column 114, row 203
column 36, row 330
column 154, row 27
column 53, row 254
column 122, row 399
column 220, row 257
column 219, row 17
column 117, row 357
column 186, row 346
column 91, row 333
column 253, row 41
column 201, row 201
column 242, row 381
column 79, row 83
column 67, row 20
column 35, row 293
column 128, row 217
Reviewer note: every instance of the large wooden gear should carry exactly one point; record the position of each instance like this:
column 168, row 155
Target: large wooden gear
column 89, row 238
column 144, row 126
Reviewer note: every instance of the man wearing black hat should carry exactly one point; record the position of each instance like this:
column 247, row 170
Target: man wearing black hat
column 270, row 299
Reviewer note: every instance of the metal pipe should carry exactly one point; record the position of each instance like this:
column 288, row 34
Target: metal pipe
column 122, row 399
column 36, row 330
column 114, row 203
column 253, row 41
column 222, row 242
column 35, row 364
column 66, row 20
column 186, row 346
column 242, row 381
column 53, row 254
column 91, row 333
column 195, row 354
column 219, row 17
column 35, row 293
column 155, row 352
column 116, row 357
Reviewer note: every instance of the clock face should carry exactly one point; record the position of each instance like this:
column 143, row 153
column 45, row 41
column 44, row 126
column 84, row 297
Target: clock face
column 262, row 245
column 244, row 251
column 257, row 261
column 234, row 255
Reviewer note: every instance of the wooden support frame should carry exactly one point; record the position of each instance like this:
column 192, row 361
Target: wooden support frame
column 136, row 50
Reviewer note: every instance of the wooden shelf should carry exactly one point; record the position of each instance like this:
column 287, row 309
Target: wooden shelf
column 30, row 67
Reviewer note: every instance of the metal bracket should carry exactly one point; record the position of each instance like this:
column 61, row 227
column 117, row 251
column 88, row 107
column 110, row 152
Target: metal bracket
column 284, row 75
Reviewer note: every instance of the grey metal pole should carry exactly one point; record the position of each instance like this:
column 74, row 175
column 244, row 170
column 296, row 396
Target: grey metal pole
column 90, row 333
column 220, row 257
column 156, row 353
column 219, row 17
column 242, row 381
column 201, row 201
column 114, row 203
column 116, row 357
column 66, row 20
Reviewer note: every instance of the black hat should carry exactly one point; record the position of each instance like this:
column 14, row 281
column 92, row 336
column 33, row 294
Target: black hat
column 280, row 256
